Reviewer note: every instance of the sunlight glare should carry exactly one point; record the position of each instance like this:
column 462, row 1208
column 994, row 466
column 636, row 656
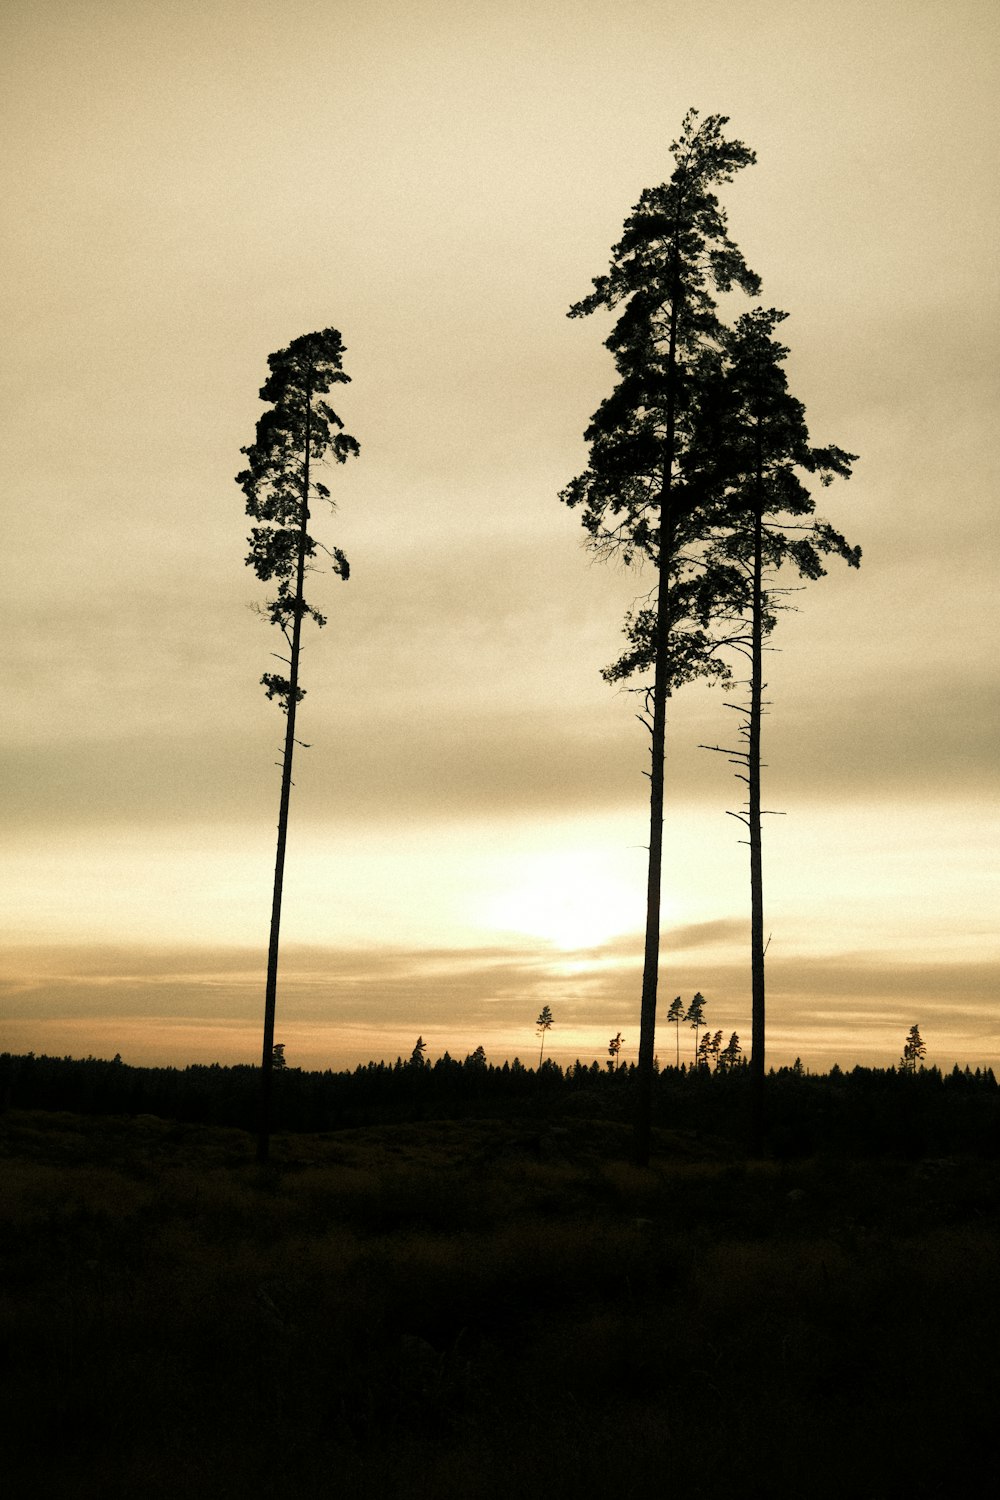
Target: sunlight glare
column 573, row 900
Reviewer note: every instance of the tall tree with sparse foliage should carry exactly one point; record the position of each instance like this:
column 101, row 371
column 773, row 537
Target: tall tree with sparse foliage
column 696, row 1017
column 298, row 432
column 542, row 1026
column 914, row 1051
column 643, row 495
column 676, row 1014
column 759, row 435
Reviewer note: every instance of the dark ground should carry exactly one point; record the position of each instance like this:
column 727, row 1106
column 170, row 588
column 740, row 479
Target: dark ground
column 488, row 1308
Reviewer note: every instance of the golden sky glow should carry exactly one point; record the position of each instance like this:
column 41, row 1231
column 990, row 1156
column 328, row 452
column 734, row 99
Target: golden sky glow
column 189, row 187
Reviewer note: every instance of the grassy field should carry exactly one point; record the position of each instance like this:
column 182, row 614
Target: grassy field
column 487, row 1309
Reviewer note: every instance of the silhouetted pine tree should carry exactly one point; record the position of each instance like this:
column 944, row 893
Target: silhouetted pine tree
column 914, row 1050
column 696, row 1017
column 758, row 433
column 297, row 432
column 730, row 1055
column 641, row 496
column 676, row 1014
column 543, row 1025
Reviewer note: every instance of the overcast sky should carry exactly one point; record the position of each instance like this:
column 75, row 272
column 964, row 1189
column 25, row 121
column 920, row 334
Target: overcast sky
column 189, row 187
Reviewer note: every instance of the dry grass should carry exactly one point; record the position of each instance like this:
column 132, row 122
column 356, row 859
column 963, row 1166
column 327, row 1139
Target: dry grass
column 484, row 1309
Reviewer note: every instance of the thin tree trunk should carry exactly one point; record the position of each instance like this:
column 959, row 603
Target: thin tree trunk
column 661, row 677
column 271, row 990
column 651, row 954
column 756, row 862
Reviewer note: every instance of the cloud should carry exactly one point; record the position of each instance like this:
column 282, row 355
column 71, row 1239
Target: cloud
column 684, row 938
column 923, row 733
column 340, row 1004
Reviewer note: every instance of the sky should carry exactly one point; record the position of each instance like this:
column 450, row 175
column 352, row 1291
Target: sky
column 190, row 186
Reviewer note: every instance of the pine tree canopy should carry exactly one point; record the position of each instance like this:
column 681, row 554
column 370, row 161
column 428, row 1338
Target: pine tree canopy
column 298, row 432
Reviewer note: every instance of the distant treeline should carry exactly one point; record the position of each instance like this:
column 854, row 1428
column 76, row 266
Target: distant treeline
column 862, row 1111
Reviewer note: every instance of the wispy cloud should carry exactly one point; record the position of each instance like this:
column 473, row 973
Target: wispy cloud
column 339, row 1001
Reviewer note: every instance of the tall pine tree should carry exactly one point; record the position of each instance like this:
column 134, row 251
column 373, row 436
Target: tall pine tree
column 298, row 432
column 760, row 440
column 644, row 492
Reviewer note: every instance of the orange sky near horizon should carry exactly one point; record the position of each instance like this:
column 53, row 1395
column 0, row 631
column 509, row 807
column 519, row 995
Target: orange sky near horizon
column 192, row 187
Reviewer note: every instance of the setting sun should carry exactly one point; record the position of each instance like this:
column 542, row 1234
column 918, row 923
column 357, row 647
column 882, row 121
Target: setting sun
column 572, row 899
